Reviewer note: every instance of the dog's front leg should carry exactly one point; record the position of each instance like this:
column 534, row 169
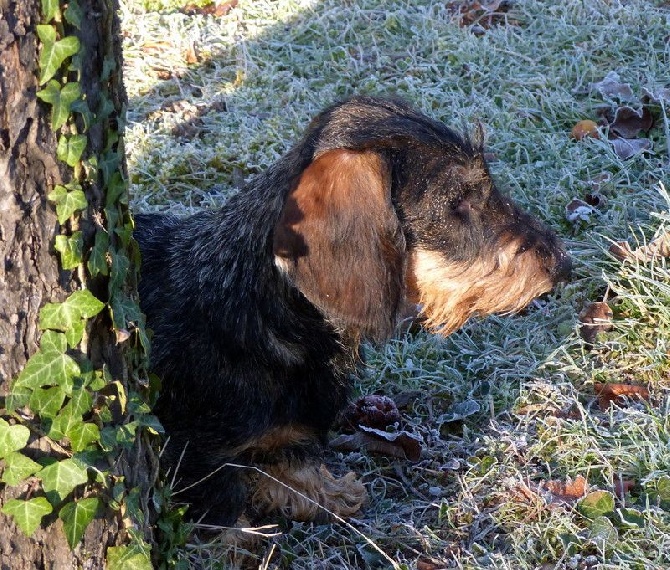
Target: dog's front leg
column 307, row 492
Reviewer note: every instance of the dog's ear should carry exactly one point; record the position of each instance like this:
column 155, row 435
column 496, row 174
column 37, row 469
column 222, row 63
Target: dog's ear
column 339, row 240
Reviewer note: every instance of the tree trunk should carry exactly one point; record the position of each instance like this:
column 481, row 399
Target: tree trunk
column 31, row 274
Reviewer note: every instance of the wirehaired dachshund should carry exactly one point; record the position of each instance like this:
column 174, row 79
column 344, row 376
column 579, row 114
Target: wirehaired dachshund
column 258, row 308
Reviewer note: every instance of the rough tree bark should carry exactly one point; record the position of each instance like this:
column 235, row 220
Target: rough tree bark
column 30, row 274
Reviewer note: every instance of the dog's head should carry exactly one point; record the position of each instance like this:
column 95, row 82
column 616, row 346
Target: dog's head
column 395, row 207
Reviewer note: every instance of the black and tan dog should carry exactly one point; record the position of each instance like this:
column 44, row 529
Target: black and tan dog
column 258, row 308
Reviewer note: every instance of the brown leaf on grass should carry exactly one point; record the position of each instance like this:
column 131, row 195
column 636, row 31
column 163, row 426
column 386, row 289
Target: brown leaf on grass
column 191, row 56
column 217, row 9
column 627, row 148
column 483, row 15
column 568, row 491
column 628, row 122
column 658, row 247
column 595, row 318
column 374, row 411
column 617, row 393
column 578, row 210
column 611, row 87
column 662, row 94
column 163, row 74
column 597, row 182
column 156, row 47
column 423, row 564
column 399, row 444
column 595, row 199
column 623, row 486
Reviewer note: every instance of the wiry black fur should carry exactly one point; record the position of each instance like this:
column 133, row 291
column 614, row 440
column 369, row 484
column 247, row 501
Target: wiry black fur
column 238, row 346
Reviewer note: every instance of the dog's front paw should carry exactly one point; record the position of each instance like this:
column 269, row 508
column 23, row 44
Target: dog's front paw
column 308, row 493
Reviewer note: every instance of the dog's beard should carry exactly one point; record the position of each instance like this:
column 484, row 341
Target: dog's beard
column 449, row 293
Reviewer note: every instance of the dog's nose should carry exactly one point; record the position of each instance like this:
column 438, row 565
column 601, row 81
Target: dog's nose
column 561, row 270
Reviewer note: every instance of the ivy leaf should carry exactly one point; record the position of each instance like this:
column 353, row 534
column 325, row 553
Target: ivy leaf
column 49, row 9
column 120, row 267
column 97, row 379
column 73, row 14
column 54, row 52
column 81, row 402
column 53, row 341
column 61, row 100
column 81, row 304
column 18, row 397
column 117, row 190
column 152, row 423
column 17, row 468
column 48, row 368
column 70, row 249
column 97, row 261
column 82, row 435
column 106, row 107
column 47, row 402
column 596, row 504
column 28, row 514
column 129, row 557
column 62, row 477
column 603, row 533
column 108, row 165
column 85, row 302
column 58, row 316
column 68, row 201
column 76, row 517
column 70, row 149
column 108, row 65
column 65, row 422
column 12, row 438
column 75, row 333
column 81, row 106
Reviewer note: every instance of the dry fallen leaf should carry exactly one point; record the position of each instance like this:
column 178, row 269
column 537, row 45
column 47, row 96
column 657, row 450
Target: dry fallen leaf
column 595, row 318
column 374, row 411
column 658, row 247
column 628, row 122
column 597, row 182
column 399, row 444
column 481, row 15
column 217, row 9
column 612, row 88
column 579, row 211
column 661, row 94
column 156, row 48
column 623, row 486
column 627, row 148
column 617, row 393
column 422, row 564
column 595, row 199
column 191, row 56
column 567, row 491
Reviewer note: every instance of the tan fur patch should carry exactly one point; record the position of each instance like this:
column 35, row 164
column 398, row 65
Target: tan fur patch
column 451, row 293
column 307, row 493
column 277, row 438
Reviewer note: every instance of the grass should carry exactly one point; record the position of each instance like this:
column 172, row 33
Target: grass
column 215, row 100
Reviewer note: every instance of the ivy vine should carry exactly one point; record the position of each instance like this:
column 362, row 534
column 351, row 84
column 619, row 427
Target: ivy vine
column 86, row 413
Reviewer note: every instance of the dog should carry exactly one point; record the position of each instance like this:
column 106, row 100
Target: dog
column 258, row 308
